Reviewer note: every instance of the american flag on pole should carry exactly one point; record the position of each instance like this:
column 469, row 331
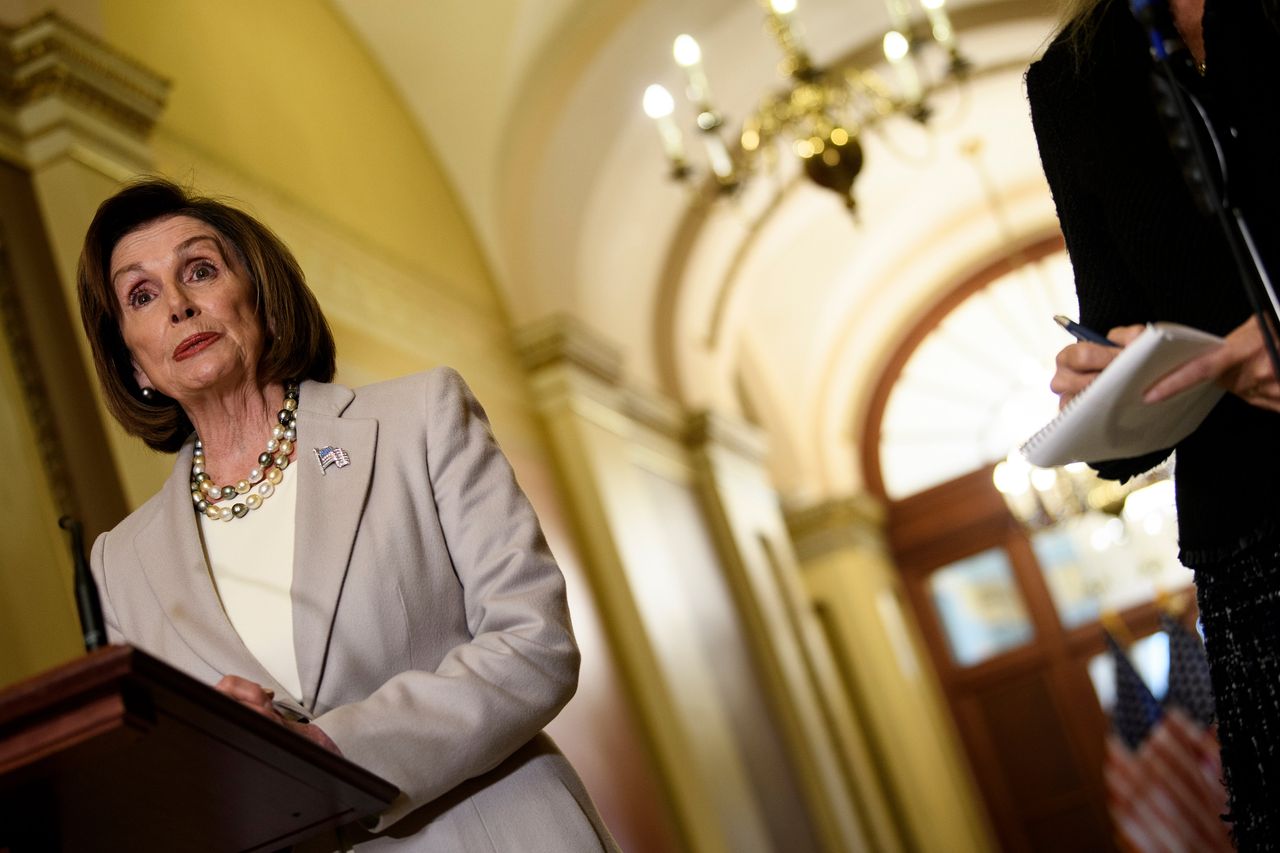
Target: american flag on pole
column 327, row 456
column 1162, row 768
column 1136, row 710
column 1189, row 685
column 1167, row 796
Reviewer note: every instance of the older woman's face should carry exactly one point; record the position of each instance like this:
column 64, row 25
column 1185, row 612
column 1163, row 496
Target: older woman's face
column 187, row 309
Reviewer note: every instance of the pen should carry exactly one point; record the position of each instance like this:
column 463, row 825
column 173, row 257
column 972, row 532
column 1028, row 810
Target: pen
column 1082, row 333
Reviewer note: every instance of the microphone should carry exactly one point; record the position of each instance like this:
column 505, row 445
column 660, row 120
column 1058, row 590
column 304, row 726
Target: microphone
column 1164, row 40
column 1179, row 100
column 1201, row 150
column 87, row 602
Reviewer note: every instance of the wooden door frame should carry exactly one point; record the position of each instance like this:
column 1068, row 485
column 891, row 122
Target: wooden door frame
column 964, row 517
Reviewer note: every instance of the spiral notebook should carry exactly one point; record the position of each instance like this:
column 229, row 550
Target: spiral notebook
column 1108, row 420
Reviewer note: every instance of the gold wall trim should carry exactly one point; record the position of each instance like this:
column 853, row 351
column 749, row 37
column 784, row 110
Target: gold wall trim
column 822, row 528
column 35, row 400
column 565, row 338
column 654, row 411
column 63, row 90
column 712, row 428
column 51, row 57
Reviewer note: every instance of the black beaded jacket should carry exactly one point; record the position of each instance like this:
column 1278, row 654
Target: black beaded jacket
column 1140, row 249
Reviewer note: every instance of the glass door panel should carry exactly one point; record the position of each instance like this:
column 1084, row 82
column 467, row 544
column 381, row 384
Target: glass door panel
column 980, row 608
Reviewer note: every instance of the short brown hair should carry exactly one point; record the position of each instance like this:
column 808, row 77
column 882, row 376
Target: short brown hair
column 299, row 343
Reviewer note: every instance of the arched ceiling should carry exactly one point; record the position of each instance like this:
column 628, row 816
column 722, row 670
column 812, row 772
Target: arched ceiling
column 776, row 301
column 533, row 109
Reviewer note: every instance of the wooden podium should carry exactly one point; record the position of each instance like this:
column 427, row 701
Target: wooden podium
column 118, row 751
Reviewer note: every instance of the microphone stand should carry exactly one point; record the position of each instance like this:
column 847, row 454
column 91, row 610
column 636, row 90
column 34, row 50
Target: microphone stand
column 1192, row 135
column 88, row 604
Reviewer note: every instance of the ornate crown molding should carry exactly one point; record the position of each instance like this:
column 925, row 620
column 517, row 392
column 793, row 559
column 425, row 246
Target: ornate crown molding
column 710, row 428
column 854, row 521
column 562, row 338
column 64, row 92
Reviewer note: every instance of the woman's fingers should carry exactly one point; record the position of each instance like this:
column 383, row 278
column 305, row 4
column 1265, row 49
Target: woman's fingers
column 1209, row 366
column 1265, row 394
column 1077, row 366
column 315, row 734
column 258, row 698
column 248, row 693
column 1084, row 357
column 1241, row 365
column 1124, row 335
column 1255, row 379
column 1080, row 363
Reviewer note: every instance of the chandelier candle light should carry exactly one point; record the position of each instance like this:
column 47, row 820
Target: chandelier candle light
column 1040, row 498
column 822, row 111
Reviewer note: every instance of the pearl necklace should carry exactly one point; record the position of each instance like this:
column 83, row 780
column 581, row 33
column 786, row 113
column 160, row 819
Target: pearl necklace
column 261, row 481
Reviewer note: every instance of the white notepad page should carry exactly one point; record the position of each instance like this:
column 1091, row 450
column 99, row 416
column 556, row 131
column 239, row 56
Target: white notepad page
column 1108, row 420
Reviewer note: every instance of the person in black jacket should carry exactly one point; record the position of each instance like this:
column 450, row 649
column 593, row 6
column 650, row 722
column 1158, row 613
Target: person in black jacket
column 1142, row 252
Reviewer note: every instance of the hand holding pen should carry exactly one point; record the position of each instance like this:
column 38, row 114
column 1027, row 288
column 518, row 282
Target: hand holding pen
column 1083, row 333
column 1080, row 363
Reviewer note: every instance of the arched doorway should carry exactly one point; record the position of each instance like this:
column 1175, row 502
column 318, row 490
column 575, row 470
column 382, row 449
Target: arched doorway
column 1012, row 618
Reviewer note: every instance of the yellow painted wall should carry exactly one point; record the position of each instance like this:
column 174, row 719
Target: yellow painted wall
column 38, row 626
column 276, row 106
column 282, row 92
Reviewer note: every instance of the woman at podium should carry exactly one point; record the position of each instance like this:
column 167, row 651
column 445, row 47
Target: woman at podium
column 359, row 565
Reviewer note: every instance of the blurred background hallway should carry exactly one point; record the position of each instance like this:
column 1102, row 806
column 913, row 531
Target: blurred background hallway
column 762, row 419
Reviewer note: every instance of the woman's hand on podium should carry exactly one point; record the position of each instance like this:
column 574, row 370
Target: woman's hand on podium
column 259, row 699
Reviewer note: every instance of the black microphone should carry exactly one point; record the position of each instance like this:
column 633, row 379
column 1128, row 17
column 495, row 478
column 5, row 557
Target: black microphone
column 87, row 602
column 1164, row 40
column 1180, row 106
column 1203, row 152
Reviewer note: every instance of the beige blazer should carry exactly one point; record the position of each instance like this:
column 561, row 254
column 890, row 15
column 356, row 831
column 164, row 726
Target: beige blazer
column 430, row 623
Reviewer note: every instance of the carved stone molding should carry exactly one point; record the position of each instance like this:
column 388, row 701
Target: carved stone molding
column 64, row 92
column 856, row 521
column 563, row 338
column 705, row 428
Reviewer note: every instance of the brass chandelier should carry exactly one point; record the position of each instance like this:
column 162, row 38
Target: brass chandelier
column 1040, row 498
column 822, row 111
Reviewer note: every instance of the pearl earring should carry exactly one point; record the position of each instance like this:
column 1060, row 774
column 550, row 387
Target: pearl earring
column 148, row 394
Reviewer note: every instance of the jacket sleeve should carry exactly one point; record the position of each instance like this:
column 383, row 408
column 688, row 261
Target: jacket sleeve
column 1061, row 119
column 428, row 731
column 97, row 567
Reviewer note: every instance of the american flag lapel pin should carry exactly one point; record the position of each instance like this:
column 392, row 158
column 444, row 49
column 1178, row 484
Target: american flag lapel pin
column 327, row 456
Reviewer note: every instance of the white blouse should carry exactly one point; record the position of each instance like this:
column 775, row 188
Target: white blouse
column 251, row 562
